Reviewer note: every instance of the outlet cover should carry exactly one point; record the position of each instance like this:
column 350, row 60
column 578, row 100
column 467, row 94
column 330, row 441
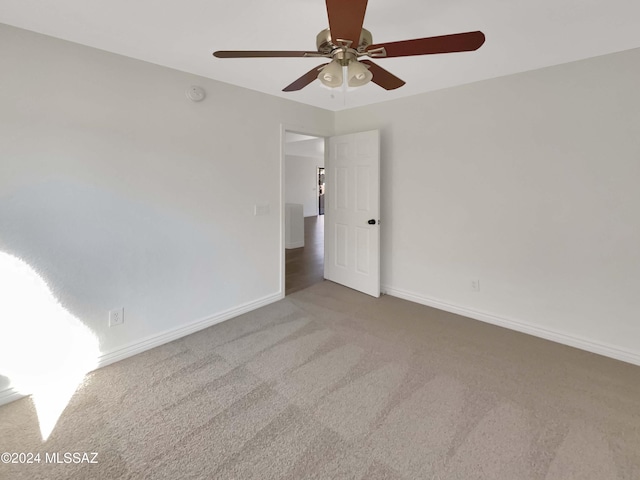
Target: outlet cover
column 116, row 317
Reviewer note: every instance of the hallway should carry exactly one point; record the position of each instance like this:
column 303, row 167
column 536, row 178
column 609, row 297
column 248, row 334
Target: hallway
column 305, row 266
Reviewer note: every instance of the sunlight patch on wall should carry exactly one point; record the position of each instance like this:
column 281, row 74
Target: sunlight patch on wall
column 44, row 350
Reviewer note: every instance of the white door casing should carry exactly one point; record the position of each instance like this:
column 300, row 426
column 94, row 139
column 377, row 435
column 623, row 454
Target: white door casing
column 352, row 200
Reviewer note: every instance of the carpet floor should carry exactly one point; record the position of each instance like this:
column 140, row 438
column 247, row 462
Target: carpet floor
column 332, row 384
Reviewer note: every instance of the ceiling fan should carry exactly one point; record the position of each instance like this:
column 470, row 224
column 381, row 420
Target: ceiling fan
column 345, row 41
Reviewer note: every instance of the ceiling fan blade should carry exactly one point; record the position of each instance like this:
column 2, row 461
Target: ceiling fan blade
column 261, row 53
column 345, row 20
column 304, row 80
column 458, row 42
column 382, row 77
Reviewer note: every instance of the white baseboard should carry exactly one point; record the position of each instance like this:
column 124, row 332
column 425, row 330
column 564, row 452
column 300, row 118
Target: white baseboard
column 9, row 394
column 173, row 334
column 294, row 245
column 548, row 334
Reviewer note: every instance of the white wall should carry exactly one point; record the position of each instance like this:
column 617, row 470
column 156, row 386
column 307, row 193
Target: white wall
column 123, row 193
column 530, row 183
column 301, row 181
column 303, row 156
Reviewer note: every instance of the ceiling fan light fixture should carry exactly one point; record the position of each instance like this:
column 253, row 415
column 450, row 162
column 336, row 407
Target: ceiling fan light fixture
column 358, row 74
column 345, row 41
column 331, row 75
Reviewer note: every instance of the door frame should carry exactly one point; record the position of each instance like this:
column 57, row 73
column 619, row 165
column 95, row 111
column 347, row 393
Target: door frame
column 318, row 191
column 302, row 130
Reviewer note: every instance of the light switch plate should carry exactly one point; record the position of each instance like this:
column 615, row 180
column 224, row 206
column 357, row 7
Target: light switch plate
column 261, row 210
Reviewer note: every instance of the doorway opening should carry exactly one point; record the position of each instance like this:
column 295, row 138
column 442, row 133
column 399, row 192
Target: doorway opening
column 304, row 187
column 320, row 190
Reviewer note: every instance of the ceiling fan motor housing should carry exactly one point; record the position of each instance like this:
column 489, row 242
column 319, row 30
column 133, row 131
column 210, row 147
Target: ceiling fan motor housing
column 326, row 44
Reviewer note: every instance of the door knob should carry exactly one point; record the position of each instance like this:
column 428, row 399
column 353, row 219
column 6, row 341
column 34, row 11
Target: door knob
column 371, row 222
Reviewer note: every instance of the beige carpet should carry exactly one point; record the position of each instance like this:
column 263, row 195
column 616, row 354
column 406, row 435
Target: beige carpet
column 330, row 383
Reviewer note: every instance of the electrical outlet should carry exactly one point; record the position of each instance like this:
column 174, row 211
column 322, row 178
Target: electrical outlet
column 475, row 285
column 116, row 317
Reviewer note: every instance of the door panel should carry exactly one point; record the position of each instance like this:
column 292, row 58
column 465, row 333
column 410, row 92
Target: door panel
column 352, row 245
column 342, row 245
column 342, row 188
column 363, row 245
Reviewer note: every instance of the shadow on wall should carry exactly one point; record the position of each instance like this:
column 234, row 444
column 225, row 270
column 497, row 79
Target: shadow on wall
column 69, row 253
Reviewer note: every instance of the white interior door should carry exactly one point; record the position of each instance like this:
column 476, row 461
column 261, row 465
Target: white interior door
column 352, row 212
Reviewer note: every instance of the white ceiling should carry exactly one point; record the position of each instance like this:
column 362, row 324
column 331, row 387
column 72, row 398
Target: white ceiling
column 521, row 35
